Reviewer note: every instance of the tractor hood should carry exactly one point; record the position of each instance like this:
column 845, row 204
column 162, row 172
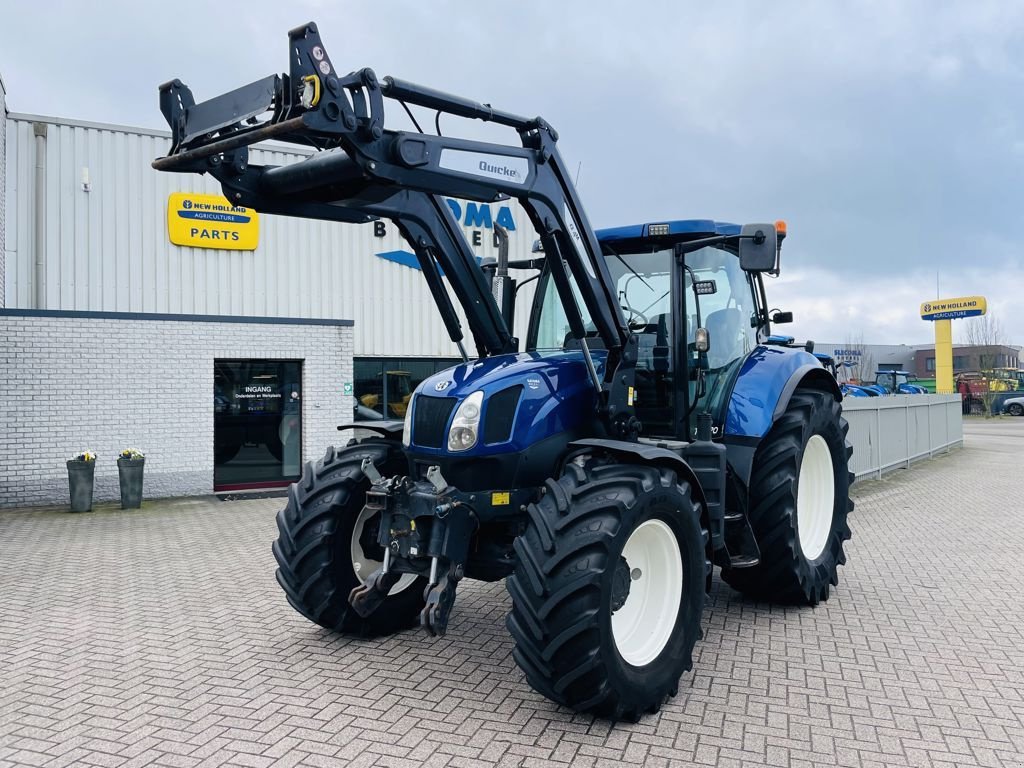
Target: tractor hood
column 500, row 371
column 527, row 397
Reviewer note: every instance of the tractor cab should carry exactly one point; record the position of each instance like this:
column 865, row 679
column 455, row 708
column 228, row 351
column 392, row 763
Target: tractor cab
column 897, row 383
column 697, row 314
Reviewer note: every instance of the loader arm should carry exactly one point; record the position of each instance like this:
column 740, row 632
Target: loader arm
column 365, row 171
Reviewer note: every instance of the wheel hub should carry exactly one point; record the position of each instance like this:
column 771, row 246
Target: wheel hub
column 367, row 555
column 620, row 584
column 647, row 591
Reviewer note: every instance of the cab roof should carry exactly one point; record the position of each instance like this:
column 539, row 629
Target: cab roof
column 664, row 233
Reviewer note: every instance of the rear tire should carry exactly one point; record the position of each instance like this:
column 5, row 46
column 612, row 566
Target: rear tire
column 1015, row 409
column 321, row 554
column 799, row 503
column 608, row 589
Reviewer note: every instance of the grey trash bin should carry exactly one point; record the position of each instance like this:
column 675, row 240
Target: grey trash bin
column 80, row 483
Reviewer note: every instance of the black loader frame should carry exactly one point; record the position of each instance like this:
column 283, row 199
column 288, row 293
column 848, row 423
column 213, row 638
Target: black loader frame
column 365, row 172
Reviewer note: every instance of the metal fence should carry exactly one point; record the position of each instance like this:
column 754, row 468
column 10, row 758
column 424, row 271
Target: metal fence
column 893, row 432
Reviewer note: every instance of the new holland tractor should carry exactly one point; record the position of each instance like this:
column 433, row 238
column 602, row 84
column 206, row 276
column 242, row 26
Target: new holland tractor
column 639, row 435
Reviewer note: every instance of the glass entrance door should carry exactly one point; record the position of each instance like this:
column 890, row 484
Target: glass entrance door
column 257, row 423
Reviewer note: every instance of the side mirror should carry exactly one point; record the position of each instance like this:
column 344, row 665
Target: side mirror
column 701, row 340
column 758, row 247
column 782, row 317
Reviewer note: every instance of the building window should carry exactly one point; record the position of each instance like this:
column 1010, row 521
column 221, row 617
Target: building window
column 384, row 386
column 257, row 423
column 929, row 365
column 959, row 363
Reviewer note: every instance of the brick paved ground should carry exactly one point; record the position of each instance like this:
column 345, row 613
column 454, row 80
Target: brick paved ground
column 159, row 637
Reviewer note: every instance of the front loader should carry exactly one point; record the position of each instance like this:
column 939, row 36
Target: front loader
column 641, row 433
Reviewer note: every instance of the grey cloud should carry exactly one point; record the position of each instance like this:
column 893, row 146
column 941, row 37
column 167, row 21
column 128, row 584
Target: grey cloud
column 889, row 135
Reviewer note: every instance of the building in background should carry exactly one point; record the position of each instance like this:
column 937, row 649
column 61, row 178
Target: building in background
column 861, row 361
column 968, row 359
column 126, row 288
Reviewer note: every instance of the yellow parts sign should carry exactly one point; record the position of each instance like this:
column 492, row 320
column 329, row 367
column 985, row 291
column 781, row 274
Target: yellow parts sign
column 953, row 309
column 210, row 221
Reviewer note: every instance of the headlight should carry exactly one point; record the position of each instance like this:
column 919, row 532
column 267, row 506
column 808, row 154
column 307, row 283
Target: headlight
column 407, row 429
column 463, row 433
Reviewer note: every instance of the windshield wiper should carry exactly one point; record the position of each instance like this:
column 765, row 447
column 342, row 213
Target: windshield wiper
column 626, row 265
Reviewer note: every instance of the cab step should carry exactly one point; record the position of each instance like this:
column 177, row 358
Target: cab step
column 743, row 561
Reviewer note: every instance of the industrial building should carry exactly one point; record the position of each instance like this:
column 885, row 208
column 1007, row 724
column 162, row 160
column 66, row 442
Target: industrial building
column 139, row 308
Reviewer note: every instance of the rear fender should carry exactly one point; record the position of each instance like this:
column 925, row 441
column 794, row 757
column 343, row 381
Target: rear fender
column 757, row 417
column 766, row 382
column 806, row 377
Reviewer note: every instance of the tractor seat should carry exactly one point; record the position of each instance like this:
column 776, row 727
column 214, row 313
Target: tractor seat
column 725, row 328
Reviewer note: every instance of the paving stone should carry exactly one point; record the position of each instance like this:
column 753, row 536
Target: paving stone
column 160, row 637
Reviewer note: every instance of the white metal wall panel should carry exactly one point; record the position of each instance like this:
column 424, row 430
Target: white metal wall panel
column 107, row 249
column 894, row 431
column 3, row 189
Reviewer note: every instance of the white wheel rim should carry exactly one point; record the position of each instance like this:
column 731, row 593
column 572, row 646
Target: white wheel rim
column 363, row 566
column 815, row 497
column 641, row 628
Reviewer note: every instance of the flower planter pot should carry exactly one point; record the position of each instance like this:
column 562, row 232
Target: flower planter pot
column 80, row 483
column 129, row 473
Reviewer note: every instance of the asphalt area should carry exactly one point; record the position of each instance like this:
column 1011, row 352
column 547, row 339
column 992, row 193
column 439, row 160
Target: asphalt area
column 160, row 637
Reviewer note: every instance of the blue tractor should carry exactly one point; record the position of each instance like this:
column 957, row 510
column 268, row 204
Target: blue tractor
column 897, row 383
column 642, row 432
column 849, row 390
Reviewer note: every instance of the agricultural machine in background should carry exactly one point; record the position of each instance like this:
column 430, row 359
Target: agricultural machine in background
column 849, row 390
column 641, row 433
column 897, row 383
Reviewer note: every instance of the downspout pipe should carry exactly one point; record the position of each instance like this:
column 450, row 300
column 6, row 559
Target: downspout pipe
column 39, row 216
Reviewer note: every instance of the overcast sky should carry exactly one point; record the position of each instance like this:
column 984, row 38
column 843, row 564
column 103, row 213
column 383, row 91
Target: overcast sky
column 889, row 135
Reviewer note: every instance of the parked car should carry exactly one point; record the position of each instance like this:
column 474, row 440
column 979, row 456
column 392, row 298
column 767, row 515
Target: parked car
column 1014, row 406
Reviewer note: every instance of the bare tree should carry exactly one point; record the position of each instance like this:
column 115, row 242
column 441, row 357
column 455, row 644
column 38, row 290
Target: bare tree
column 984, row 331
column 859, row 356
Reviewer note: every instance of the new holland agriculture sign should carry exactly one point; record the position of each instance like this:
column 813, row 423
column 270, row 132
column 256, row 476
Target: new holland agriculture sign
column 953, row 309
column 210, row 221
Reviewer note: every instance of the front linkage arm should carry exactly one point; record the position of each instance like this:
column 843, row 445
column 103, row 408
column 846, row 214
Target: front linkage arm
column 364, row 167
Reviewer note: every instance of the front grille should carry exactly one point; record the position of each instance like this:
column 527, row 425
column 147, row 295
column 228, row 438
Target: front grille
column 430, row 419
column 501, row 411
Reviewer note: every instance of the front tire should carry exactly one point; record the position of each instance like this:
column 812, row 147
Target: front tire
column 1015, row 409
column 608, row 589
column 799, row 503
column 327, row 545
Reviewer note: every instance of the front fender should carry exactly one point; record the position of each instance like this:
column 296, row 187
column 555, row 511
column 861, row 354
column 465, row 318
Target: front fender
column 766, row 383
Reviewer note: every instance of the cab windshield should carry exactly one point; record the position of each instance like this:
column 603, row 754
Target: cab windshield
column 661, row 307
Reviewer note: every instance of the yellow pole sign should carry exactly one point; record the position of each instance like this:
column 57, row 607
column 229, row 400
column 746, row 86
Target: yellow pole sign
column 210, row 221
column 942, row 312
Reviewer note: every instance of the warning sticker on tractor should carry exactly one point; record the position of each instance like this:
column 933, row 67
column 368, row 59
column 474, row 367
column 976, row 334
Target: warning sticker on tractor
column 210, row 221
column 499, row 499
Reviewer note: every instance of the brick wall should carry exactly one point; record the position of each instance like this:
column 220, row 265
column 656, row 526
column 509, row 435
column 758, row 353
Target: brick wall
column 3, row 192
column 70, row 382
